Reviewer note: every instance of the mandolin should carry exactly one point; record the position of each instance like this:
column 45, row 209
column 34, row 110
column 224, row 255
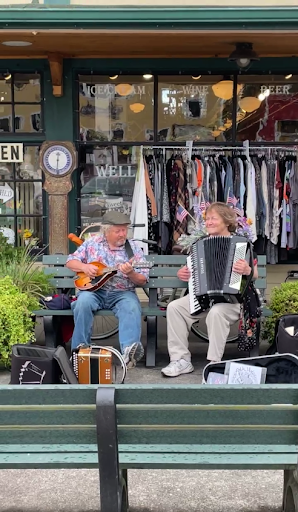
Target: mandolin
column 85, row 283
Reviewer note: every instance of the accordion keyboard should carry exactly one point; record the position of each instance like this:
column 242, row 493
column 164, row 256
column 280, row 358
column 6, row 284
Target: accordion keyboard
column 240, row 253
column 194, row 304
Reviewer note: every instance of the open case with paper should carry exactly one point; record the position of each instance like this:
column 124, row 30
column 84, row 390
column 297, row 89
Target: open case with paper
column 279, row 369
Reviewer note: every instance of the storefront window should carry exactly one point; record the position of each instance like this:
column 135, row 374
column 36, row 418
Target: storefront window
column 21, row 203
column 268, row 109
column 116, row 109
column 20, row 103
column 107, row 182
column 195, row 108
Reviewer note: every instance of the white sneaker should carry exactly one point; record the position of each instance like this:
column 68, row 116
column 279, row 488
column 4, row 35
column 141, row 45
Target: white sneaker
column 176, row 368
column 133, row 354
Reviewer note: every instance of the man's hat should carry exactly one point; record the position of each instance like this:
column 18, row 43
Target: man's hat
column 115, row 219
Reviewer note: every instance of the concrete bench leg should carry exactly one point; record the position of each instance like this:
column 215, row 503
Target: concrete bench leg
column 290, row 497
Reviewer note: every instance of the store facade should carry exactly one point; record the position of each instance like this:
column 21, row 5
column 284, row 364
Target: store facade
column 132, row 78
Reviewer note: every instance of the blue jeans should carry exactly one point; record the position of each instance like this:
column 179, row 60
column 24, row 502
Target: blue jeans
column 126, row 307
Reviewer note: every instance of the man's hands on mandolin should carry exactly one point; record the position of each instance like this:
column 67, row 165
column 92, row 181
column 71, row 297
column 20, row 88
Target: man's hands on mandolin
column 126, row 268
column 90, row 270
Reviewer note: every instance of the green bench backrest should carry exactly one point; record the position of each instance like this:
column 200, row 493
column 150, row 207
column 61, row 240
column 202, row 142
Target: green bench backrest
column 157, row 273
column 152, row 414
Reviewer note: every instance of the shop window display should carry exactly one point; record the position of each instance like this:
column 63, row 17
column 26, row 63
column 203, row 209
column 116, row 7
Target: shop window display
column 268, row 109
column 197, row 108
column 107, row 182
column 21, row 200
column 115, row 109
column 20, row 103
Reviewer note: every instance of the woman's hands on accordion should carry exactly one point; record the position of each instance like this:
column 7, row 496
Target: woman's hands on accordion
column 242, row 267
column 184, row 274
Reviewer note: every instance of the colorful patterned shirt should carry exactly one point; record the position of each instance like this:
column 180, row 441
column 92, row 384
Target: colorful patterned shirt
column 97, row 249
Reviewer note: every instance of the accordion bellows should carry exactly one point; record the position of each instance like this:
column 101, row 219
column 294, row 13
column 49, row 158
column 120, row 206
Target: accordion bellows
column 212, row 261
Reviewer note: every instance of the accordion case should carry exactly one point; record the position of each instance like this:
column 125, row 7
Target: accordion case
column 281, row 368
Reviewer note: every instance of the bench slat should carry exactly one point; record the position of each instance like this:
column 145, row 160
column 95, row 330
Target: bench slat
column 146, row 311
column 151, row 448
column 154, row 272
column 208, row 461
column 149, row 460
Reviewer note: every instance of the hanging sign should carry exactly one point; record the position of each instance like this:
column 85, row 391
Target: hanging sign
column 11, row 153
column 6, row 193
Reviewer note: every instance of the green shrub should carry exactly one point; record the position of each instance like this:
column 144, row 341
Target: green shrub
column 25, row 273
column 16, row 323
column 8, row 251
column 284, row 300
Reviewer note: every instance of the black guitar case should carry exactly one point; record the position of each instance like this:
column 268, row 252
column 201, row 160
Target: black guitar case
column 281, row 368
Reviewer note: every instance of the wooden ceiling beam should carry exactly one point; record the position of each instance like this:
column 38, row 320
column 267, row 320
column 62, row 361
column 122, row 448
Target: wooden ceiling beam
column 56, row 68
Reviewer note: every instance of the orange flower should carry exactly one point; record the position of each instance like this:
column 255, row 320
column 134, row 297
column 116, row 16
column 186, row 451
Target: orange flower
column 204, row 214
column 249, row 222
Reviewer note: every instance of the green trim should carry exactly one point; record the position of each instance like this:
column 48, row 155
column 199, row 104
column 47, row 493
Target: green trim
column 147, row 18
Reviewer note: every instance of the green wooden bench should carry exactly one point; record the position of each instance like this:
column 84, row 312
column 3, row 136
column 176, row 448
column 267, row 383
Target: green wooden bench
column 116, row 428
column 163, row 275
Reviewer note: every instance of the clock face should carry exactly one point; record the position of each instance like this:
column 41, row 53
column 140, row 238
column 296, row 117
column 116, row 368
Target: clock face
column 58, row 160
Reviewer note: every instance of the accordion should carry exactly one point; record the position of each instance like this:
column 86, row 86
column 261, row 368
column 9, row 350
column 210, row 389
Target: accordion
column 211, row 264
column 93, row 365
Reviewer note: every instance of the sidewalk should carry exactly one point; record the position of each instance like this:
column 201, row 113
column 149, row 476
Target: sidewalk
column 150, row 491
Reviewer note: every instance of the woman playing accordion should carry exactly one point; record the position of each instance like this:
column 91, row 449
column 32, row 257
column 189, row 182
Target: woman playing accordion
column 224, row 310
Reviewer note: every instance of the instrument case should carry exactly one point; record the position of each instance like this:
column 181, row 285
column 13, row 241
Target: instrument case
column 281, row 368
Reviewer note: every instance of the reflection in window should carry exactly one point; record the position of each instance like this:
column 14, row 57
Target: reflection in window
column 199, row 110
column 21, row 206
column 20, row 103
column 116, row 110
column 107, row 182
column 268, row 109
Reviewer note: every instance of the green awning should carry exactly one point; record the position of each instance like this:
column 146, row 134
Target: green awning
column 33, row 16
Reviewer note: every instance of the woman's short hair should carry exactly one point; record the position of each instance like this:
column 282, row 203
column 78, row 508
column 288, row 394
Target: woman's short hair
column 226, row 213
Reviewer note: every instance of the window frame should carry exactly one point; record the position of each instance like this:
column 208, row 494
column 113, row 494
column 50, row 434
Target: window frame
column 13, row 103
column 15, row 216
column 233, row 75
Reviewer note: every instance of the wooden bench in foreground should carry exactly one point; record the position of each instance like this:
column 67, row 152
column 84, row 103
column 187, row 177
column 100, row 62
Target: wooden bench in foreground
column 116, row 428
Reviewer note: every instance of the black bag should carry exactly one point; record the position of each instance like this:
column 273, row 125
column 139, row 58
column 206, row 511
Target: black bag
column 285, row 342
column 57, row 302
column 281, row 368
column 32, row 364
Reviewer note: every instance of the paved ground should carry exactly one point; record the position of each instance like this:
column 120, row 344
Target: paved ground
column 150, row 491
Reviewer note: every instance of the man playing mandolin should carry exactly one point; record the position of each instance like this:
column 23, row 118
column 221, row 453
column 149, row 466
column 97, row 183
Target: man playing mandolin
column 118, row 293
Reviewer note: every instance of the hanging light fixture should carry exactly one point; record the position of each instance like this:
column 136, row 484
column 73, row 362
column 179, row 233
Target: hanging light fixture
column 250, row 102
column 287, row 77
column 196, row 77
column 113, row 77
column 216, row 133
column 147, row 76
column 224, row 89
column 228, row 124
column 243, row 55
column 136, row 108
column 124, row 89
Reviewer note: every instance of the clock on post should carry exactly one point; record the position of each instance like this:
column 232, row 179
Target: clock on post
column 58, row 160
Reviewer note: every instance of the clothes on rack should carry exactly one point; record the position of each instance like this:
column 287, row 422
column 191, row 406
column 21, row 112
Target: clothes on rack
column 265, row 183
